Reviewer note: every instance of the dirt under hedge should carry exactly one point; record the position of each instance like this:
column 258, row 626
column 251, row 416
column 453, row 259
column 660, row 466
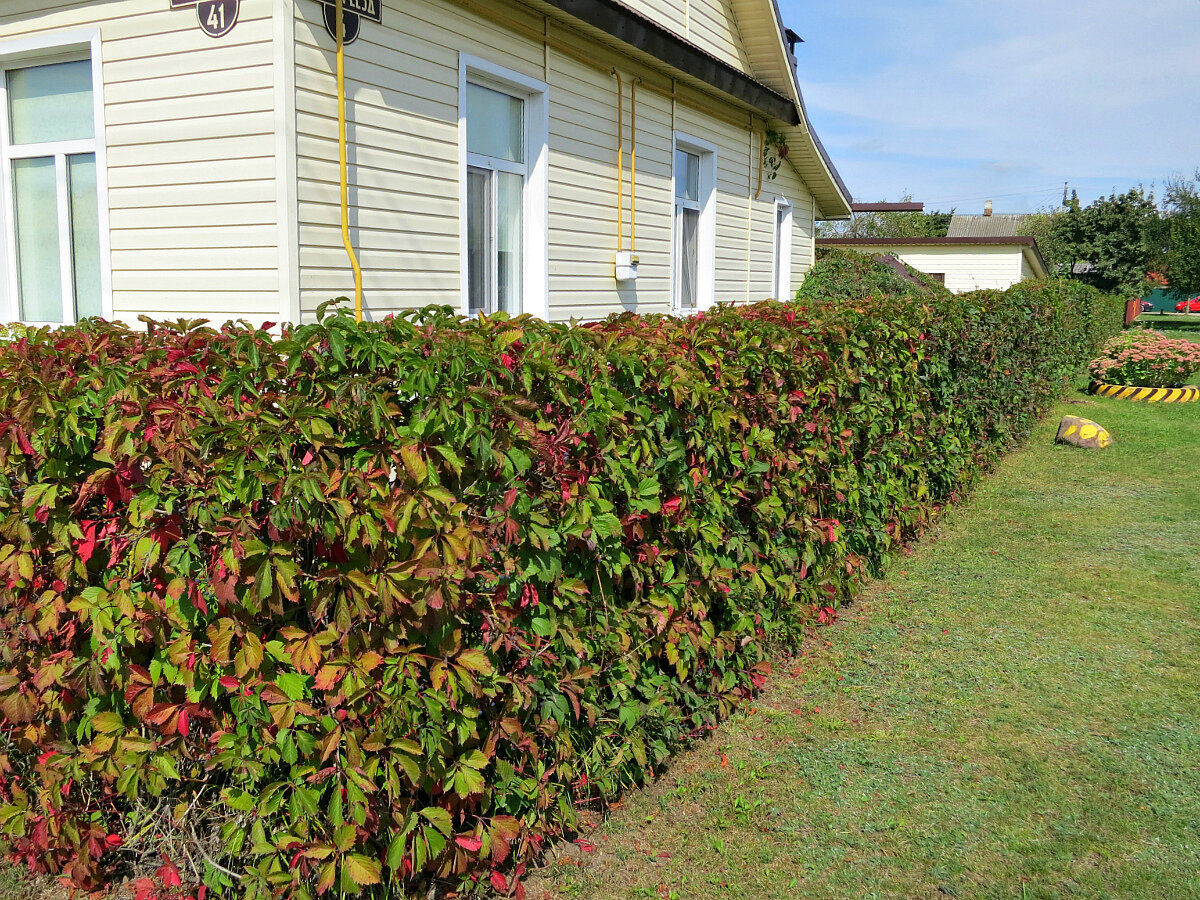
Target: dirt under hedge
column 367, row 607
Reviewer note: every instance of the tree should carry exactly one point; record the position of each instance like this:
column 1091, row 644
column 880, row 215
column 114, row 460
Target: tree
column 1117, row 239
column 1182, row 235
column 888, row 224
column 1042, row 226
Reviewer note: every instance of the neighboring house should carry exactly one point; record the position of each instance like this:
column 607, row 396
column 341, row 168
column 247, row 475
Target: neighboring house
column 961, row 263
column 986, row 225
column 178, row 158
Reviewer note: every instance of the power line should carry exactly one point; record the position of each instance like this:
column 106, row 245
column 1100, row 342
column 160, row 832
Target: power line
column 1049, row 190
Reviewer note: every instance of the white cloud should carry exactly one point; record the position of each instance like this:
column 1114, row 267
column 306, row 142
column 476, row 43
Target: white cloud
column 1025, row 90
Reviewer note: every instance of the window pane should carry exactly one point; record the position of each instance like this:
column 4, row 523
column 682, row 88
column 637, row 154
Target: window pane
column 495, row 124
column 39, row 280
column 687, row 175
column 509, row 218
column 479, row 243
column 687, row 266
column 85, row 234
column 51, row 103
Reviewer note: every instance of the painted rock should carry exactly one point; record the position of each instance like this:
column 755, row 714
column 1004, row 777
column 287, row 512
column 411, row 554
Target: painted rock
column 1082, row 433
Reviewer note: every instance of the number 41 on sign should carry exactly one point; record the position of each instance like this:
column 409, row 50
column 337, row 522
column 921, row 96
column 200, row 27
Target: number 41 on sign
column 216, row 17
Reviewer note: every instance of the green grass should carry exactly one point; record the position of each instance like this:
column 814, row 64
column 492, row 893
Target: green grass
column 1013, row 713
column 1175, row 325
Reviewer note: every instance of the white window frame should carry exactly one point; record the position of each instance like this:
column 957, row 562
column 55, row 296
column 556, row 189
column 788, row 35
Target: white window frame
column 43, row 49
column 781, row 283
column 535, row 246
column 706, row 239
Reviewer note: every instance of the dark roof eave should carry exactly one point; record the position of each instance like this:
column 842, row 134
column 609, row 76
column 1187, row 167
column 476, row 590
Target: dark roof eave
column 625, row 24
column 887, row 207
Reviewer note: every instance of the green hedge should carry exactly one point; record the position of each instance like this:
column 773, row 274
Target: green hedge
column 363, row 607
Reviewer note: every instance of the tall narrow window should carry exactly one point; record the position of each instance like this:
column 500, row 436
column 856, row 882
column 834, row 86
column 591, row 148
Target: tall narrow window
column 781, row 283
column 694, row 251
column 496, row 178
column 687, row 230
column 49, row 147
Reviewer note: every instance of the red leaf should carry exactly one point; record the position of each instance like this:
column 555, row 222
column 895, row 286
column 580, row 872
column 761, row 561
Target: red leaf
column 182, row 724
column 499, row 882
column 169, row 875
column 471, row 844
column 230, row 683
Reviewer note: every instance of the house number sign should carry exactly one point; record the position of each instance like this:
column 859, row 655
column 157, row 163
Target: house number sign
column 216, row 17
column 354, row 12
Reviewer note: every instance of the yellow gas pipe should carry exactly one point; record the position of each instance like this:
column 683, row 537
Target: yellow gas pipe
column 620, row 161
column 344, row 161
column 633, row 164
column 762, row 159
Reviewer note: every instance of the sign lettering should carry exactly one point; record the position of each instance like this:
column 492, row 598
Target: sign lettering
column 368, row 9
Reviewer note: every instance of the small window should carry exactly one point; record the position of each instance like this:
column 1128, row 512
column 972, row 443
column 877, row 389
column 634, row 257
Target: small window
column 503, row 120
column 52, row 197
column 693, row 272
column 687, row 225
column 939, row 277
column 781, row 283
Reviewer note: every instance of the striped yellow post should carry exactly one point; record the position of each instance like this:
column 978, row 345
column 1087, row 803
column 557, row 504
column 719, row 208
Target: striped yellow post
column 1188, row 394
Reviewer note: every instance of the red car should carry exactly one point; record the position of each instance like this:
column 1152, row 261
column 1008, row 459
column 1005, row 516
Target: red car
column 1192, row 305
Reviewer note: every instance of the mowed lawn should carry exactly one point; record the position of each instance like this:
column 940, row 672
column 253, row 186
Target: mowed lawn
column 1013, row 712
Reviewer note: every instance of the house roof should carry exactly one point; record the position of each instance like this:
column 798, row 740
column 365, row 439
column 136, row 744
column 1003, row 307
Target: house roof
column 986, row 226
column 1028, row 245
column 765, row 38
column 773, row 90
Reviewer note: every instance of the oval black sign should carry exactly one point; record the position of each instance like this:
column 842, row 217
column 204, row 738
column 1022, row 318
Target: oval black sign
column 217, row 17
column 352, row 20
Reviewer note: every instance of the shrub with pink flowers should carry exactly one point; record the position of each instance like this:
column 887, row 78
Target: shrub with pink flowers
column 1147, row 359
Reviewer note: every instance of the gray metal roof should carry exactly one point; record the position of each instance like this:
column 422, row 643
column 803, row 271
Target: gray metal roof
column 985, row 226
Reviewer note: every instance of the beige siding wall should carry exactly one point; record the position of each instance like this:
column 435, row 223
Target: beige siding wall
column 967, row 268
column 403, row 89
column 190, row 135
column 712, row 25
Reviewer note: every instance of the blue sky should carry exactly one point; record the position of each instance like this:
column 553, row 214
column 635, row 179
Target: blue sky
column 961, row 101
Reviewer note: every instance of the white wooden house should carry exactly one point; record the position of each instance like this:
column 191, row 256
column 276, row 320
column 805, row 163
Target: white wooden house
column 180, row 158
column 961, row 263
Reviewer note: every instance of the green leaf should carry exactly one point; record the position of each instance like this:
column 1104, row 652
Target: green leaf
column 606, row 525
column 414, row 463
column 395, row 853
column 108, row 723
column 438, row 818
column 363, row 870
column 293, row 684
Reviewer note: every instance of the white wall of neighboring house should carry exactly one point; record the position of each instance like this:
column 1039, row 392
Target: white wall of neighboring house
column 969, row 267
column 190, row 140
